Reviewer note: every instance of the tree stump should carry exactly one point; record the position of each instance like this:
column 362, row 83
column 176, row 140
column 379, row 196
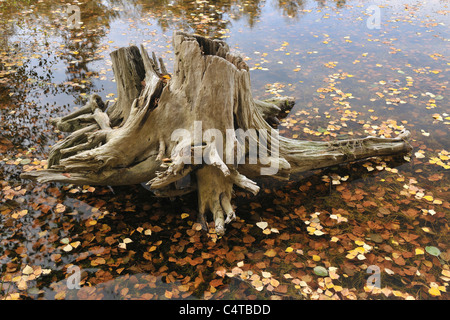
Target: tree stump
column 198, row 129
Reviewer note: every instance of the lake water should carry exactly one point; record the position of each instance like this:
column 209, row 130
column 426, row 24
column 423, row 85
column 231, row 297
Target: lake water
column 355, row 68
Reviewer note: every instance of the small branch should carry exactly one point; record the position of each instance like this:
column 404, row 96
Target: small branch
column 162, row 150
column 155, row 63
column 244, row 183
column 81, row 117
column 102, row 119
column 163, row 67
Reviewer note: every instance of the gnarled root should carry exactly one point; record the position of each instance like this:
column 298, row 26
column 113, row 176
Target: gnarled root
column 214, row 194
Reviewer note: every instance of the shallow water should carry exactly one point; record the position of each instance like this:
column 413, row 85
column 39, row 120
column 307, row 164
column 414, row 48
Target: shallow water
column 348, row 81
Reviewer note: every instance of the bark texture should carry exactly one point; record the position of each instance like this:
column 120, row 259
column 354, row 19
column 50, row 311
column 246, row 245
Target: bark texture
column 194, row 130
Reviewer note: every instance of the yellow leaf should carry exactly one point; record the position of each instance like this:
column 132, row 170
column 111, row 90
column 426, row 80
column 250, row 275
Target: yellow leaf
column 426, row 229
column 397, row 293
column 21, row 213
column 434, row 291
column 184, row 215
column 75, row 244
column 428, row 198
column 316, row 258
column 183, row 288
column 27, row 270
column 360, row 250
column 270, row 253
column 419, row 251
column 275, row 283
column 13, row 296
column 289, row 249
column 350, row 255
column 310, row 229
column 60, row 295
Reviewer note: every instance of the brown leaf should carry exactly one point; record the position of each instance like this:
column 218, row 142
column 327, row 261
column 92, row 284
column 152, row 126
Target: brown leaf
column 400, row 261
column 282, row 288
column 216, row 282
column 248, row 239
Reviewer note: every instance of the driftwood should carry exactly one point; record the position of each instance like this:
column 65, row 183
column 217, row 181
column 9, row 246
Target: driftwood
column 198, row 129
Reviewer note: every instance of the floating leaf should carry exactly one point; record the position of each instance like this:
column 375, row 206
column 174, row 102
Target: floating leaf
column 434, row 291
column 184, row 215
column 27, row 270
column 321, row 271
column 433, row 251
column 75, row 244
column 262, row 224
column 419, row 251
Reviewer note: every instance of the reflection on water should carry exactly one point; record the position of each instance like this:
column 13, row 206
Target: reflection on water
column 348, row 80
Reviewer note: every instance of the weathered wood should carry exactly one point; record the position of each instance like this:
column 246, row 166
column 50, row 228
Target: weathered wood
column 183, row 132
